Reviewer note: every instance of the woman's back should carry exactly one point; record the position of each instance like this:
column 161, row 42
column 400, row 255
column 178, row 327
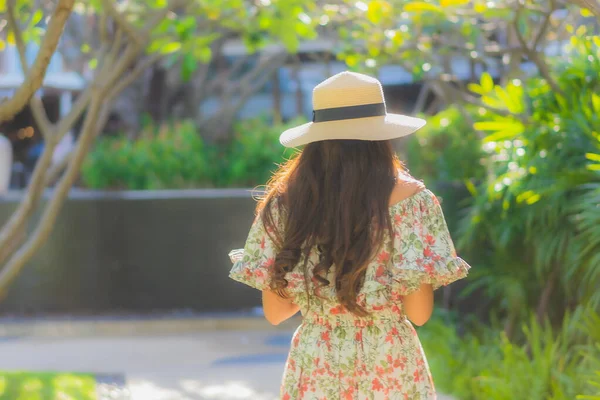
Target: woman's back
column 326, row 242
column 363, row 356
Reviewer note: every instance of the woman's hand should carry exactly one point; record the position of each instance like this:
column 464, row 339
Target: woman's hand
column 418, row 305
column 276, row 308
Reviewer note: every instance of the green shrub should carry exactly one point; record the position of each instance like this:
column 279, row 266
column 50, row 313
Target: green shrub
column 174, row 156
column 253, row 153
column 529, row 228
column 551, row 364
column 447, row 149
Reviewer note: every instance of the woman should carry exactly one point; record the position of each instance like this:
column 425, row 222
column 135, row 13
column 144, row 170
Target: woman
column 354, row 243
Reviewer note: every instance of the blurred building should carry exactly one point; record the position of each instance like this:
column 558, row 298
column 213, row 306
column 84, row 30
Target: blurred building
column 60, row 86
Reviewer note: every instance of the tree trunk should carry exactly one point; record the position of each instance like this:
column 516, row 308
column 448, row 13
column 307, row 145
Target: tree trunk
column 110, row 79
column 41, row 233
column 34, row 79
column 155, row 102
column 299, row 93
column 544, row 301
column 277, row 116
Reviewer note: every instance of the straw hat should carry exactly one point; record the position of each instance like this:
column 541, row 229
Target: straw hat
column 350, row 106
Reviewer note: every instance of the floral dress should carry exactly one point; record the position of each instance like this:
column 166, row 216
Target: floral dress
column 337, row 355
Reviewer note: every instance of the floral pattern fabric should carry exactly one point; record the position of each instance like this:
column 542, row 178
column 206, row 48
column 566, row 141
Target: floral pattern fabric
column 337, row 355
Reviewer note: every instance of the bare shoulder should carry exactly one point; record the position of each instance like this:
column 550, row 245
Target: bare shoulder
column 406, row 187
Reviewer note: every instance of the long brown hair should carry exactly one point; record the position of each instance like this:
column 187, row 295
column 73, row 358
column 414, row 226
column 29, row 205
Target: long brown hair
column 334, row 197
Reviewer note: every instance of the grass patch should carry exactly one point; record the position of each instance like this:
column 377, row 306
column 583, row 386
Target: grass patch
column 47, row 386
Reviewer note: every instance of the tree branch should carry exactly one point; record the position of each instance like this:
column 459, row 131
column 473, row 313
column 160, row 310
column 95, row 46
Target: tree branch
column 533, row 54
column 135, row 74
column 541, row 34
column 592, row 5
column 35, row 77
column 62, row 128
column 110, row 57
column 121, row 20
column 98, row 96
column 24, row 254
column 18, row 219
column 56, row 170
column 36, row 105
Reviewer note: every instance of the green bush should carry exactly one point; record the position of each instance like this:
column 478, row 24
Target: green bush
column 550, row 365
column 530, row 221
column 447, row 149
column 532, row 234
column 174, row 156
column 253, row 153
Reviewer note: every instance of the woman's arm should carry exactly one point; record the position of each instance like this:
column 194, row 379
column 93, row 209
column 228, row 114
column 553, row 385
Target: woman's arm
column 418, row 305
column 276, row 308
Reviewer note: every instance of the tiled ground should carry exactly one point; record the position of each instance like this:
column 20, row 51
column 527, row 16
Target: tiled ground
column 219, row 365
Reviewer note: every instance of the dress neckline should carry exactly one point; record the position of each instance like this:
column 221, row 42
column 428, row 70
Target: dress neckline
column 400, row 203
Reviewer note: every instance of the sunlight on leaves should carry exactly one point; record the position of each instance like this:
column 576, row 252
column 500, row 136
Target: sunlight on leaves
column 421, row 6
column 377, row 10
column 476, row 88
column 170, row 48
column 487, row 83
column 10, row 38
column 451, row 3
column 593, row 156
column 594, row 167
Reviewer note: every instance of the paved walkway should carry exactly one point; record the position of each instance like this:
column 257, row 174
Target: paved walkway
column 208, row 365
column 219, row 365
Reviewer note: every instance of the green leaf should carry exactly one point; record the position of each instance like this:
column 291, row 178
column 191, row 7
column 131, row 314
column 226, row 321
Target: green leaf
column 480, row 7
column 491, row 125
column 164, row 26
column 504, row 129
column 2, row 5
column 352, row 60
column 512, row 105
column 290, row 40
column 378, row 9
column 188, row 66
column 454, row 3
column 170, row 48
column 37, row 17
column 596, row 102
column 533, row 198
column 203, row 54
column 582, row 30
column 421, row 6
column 593, row 156
column 475, row 88
column 2, row 44
column 487, row 83
column 305, row 31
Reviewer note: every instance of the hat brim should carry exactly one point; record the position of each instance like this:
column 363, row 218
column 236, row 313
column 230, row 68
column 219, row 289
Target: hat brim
column 390, row 126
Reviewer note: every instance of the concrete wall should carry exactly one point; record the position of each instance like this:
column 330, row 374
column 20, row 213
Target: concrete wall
column 141, row 252
column 137, row 252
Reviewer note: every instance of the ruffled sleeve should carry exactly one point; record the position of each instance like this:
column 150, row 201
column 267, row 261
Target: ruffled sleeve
column 423, row 249
column 251, row 265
